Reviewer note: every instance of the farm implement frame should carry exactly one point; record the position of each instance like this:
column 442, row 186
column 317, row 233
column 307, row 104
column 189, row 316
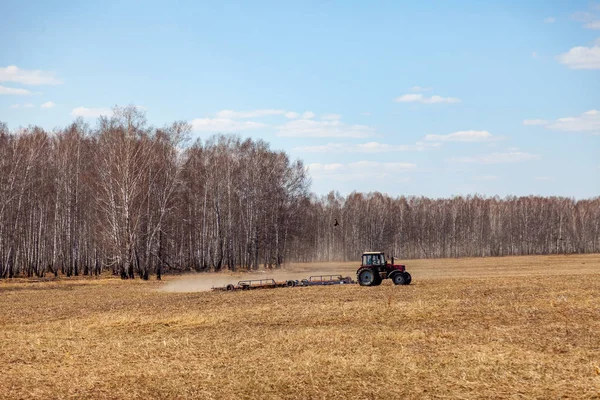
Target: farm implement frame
column 315, row 280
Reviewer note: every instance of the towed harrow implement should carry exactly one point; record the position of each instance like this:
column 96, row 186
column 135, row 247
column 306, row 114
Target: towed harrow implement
column 316, row 280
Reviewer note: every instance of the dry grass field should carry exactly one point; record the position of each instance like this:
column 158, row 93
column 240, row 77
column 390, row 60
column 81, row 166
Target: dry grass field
column 506, row 328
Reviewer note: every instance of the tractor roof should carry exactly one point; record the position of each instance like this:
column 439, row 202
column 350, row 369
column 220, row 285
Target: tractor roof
column 373, row 252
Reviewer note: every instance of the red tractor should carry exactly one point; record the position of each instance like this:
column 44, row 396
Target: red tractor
column 375, row 268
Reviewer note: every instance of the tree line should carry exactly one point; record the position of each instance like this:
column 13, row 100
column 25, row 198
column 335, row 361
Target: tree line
column 471, row 226
column 138, row 200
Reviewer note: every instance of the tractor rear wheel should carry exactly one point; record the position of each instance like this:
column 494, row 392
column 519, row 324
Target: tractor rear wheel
column 407, row 278
column 399, row 279
column 366, row 277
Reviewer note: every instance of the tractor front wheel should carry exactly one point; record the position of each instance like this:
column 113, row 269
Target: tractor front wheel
column 366, row 277
column 399, row 279
column 407, row 278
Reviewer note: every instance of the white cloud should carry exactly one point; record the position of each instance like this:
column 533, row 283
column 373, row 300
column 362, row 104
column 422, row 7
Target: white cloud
column 550, row 20
column 26, row 105
column 13, row 73
column 230, row 114
column 463, row 136
column 419, row 98
column 582, row 57
column 90, row 112
column 48, row 104
column 360, row 170
column 223, row 125
column 311, row 128
column 337, row 129
column 497, row 158
column 8, row 90
column 369, row 147
column 582, row 16
column 298, row 125
column 593, row 25
column 588, row 121
column 535, row 122
column 590, row 20
column 420, row 89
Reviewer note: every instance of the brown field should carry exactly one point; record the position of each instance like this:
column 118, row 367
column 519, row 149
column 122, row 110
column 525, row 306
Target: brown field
column 514, row 327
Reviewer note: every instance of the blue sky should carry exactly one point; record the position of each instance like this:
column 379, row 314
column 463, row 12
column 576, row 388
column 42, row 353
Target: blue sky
column 428, row 98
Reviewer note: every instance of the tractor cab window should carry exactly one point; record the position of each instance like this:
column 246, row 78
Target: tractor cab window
column 373, row 259
column 379, row 259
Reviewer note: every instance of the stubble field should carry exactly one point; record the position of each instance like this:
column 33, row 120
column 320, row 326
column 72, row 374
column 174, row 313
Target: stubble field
column 513, row 327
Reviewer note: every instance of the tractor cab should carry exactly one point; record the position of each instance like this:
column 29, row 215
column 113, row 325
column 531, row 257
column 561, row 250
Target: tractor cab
column 373, row 259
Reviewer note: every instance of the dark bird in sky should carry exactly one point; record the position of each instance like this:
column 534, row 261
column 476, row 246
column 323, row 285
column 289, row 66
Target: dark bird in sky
column 336, row 223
